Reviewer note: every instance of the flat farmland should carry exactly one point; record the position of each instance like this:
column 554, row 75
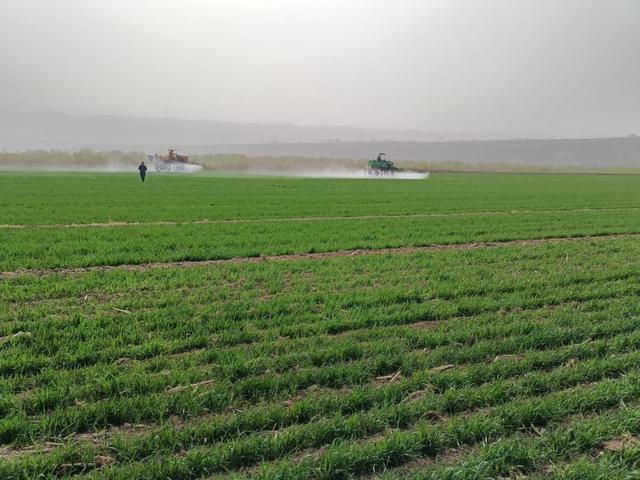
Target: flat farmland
column 463, row 326
column 81, row 220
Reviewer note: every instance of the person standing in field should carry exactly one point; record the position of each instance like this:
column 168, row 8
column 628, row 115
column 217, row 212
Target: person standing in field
column 142, row 168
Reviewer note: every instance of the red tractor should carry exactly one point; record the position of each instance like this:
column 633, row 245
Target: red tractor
column 169, row 162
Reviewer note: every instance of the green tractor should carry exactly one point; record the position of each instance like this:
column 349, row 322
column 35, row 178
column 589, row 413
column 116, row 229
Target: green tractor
column 381, row 166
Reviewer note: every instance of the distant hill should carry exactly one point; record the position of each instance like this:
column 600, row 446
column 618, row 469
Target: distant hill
column 592, row 152
column 23, row 131
column 51, row 130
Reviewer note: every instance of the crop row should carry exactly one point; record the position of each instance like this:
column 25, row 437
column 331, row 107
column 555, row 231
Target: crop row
column 442, row 274
column 197, row 401
column 55, row 248
column 352, row 455
column 617, row 465
column 62, row 347
column 326, row 311
column 320, row 431
column 548, row 452
column 234, row 363
column 418, row 350
column 244, row 362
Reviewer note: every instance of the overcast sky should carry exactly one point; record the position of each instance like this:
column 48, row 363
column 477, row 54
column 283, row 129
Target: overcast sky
column 486, row 67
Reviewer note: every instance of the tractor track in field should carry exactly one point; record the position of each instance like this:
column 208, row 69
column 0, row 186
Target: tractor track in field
column 318, row 255
column 160, row 223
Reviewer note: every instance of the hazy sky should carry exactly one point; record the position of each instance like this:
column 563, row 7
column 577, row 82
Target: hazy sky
column 496, row 67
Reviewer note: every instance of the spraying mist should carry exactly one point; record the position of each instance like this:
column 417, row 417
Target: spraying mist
column 339, row 173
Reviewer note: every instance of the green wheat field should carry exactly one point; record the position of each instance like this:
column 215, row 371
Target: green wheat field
column 466, row 326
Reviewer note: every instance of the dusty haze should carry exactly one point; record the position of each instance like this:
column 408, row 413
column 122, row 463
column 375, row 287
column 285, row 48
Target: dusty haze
column 498, row 68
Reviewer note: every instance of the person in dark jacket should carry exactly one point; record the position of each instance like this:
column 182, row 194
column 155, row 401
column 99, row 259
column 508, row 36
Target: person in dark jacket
column 142, row 168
